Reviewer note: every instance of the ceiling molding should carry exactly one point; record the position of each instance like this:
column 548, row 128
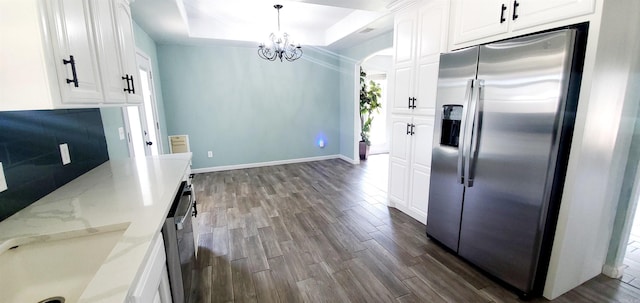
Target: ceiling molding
column 398, row 5
column 322, row 23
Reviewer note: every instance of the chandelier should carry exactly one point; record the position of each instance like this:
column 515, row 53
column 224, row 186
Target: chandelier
column 280, row 46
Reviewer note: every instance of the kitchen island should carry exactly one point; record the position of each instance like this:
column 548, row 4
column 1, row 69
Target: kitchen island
column 132, row 195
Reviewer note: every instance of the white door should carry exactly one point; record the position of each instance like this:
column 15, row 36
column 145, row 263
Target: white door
column 142, row 120
column 478, row 19
column 149, row 102
column 137, row 134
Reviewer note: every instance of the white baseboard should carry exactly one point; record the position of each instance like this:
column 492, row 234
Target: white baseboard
column 349, row 160
column 613, row 271
column 262, row 164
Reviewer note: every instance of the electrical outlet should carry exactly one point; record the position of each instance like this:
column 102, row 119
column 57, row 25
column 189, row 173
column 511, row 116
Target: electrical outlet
column 64, row 153
column 210, row 154
column 3, row 181
column 121, row 133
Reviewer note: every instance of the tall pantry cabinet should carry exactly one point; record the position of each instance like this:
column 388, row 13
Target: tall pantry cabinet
column 420, row 35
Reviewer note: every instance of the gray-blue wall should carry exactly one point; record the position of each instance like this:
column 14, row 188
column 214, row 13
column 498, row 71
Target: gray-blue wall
column 349, row 58
column 111, row 121
column 249, row 110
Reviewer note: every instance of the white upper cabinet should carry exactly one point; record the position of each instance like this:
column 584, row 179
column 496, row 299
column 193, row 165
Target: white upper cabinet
column 475, row 19
column 72, row 39
column 404, row 37
column 64, row 54
column 127, row 47
column 107, row 45
column 479, row 19
column 536, row 12
column 433, row 20
column 114, row 30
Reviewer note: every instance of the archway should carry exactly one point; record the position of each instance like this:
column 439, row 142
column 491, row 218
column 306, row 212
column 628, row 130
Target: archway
column 377, row 67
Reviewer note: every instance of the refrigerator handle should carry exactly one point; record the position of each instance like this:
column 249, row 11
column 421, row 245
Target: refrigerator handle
column 463, row 130
column 474, row 132
column 468, row 133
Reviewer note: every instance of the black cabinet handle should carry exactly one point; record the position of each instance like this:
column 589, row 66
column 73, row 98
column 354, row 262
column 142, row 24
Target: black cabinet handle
column 195, row 209
column 514, row 16
column 408, row 131
column 128, row 89
column 504, row 9
column 73, row 70
column 413, row 104
column 409, row 103
column 412, row 127
column 133, row 88
column 149, row 143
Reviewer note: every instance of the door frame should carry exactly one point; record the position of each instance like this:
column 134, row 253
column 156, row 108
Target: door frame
column 148, row 67
column 623, row 223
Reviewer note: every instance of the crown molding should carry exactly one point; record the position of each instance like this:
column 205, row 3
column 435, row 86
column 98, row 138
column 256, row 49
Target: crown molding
column 397, row 5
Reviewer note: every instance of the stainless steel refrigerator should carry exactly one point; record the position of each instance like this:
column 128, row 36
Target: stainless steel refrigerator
column 504, row 120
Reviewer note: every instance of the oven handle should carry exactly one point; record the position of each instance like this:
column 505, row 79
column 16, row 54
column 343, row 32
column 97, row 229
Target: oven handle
column 187, row 213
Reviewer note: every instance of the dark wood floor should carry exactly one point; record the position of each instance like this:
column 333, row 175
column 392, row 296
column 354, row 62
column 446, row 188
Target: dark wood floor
column 321, row 232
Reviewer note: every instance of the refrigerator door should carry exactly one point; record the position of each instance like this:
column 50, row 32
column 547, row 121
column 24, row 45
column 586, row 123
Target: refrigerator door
column 514, row 153
column 457, row 69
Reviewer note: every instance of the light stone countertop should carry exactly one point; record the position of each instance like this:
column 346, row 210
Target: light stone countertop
column 137, row 192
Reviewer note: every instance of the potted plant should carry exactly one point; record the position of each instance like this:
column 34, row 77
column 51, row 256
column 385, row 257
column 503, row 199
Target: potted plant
column 369, row 96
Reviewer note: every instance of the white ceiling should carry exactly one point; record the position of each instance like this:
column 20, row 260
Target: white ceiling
column 328, row 23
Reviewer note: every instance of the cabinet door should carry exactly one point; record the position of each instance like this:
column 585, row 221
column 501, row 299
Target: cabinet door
column 426, row 87
column 536, row 12
column 401, row 89
column 127, row 45
column 153, row 282
column 479, row 19
column 432, row 31
column 108, row 52
column 404, row 37
column 72, row 31
column 399, row 159
column 420, row 169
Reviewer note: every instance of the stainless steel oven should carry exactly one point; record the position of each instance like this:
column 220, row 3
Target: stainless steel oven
column 179, row 243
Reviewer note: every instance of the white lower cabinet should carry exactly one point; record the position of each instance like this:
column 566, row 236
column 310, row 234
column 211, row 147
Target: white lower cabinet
column 153, row 285
column 410, row 165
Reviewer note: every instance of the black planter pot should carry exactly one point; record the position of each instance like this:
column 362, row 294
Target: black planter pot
column 364, row 150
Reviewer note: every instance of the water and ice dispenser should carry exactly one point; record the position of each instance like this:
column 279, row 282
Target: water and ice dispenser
column 450, row 130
